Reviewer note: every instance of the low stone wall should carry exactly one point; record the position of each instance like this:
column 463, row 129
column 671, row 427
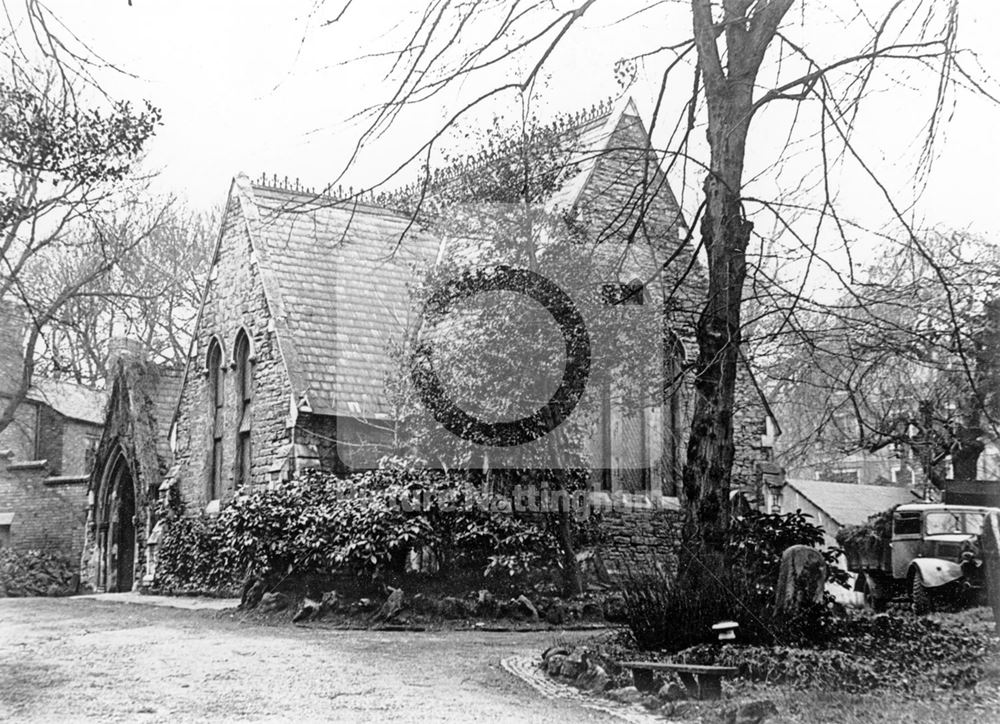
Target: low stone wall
column 640, row 533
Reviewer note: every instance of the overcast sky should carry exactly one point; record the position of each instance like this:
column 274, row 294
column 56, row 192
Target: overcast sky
column 263, row 86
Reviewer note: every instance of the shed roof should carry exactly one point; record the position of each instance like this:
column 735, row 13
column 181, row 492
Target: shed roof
column 849, row 503
column 73, row 400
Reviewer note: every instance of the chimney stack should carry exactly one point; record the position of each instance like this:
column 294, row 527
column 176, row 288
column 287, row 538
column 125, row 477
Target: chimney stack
column 126, row 349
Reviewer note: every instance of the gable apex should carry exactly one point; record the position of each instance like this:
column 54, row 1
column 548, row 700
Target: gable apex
column 591, row 148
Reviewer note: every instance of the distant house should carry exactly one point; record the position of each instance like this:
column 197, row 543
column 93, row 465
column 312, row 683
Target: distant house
column 832, row 505
column 879, row 467
column 46, row 453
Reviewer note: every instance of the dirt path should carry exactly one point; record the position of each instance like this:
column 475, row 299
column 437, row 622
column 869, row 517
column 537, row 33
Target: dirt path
column 66, row 659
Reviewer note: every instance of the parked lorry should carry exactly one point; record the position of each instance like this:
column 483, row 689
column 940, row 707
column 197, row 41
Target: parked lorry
column 923, row 551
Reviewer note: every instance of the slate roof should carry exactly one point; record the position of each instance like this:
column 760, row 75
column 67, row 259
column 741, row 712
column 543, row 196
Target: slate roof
column 164, row 395
column 70, row 399
column 848, row 503
column 590, row 140
column 338, row 278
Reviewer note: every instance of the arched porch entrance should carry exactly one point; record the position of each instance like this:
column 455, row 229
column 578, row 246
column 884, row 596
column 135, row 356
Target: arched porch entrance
column 116, row 527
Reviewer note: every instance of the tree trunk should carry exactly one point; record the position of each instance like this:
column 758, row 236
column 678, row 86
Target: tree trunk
column 572, row 581
column 710, row 447
column 725, row 234
column 965, row 454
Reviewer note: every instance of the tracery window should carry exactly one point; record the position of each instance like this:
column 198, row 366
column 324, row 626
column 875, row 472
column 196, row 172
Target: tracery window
column 216, row 402
column 244, row 398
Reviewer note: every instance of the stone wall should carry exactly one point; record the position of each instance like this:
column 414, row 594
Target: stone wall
column 752, row 437
column 234, row 300
column 637, row 539
column 49, row 511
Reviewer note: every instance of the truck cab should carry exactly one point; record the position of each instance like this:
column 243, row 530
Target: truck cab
column 920, row 550
column 935, row 544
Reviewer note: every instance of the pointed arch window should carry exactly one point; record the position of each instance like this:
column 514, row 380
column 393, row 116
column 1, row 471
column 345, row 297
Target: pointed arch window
column 244, row 399
column 216, row 402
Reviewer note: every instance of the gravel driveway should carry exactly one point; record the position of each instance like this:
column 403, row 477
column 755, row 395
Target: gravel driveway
column 72, row 659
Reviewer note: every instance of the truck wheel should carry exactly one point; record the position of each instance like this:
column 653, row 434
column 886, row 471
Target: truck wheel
column 919, row 595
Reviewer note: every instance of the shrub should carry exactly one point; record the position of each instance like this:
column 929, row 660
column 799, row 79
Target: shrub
column 866, row 653
column 366, row 525
column 36, row 573
column 674, row 613
column 757, row 541
column 871, row 536
column 666, row 613
column 192, row 556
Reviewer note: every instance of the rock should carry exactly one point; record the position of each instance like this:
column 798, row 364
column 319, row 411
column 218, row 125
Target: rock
column 651, row 702
column 422, row 604
column 253, row 591
column 671, row 691
column 511, row 609
column 270, row 602
column 330, row 603
column 486, row 604
column 683, row 710
column 575, row 664
column 453, row 608
column 625, row 695
column 592, row 569
column 751, row 712
column 527, row 606
column 307, row 610
column 556, row 613
column 614, row 608
column 553, row 664
column 595, row 678
column 552, row 650
column 591, row 611
column 392, row 607
column 800, row 579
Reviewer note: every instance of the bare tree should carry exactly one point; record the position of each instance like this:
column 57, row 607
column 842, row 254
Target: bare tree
column 152, row 296
column 743, row 59
column 67, row 193
column 892, row 363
